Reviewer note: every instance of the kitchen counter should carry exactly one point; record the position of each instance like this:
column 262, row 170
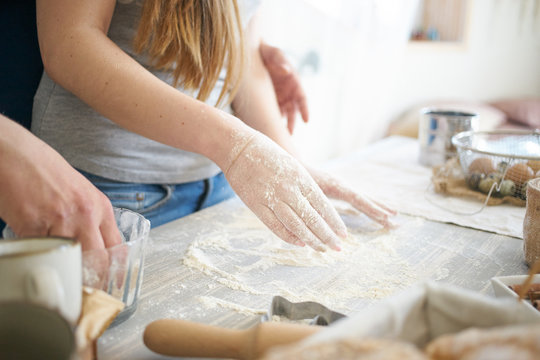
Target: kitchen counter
column 221, row 266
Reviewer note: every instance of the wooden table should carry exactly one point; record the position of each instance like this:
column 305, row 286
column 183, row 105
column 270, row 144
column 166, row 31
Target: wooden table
column 234, row 295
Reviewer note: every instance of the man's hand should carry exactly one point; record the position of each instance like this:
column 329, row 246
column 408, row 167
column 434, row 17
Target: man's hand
column 42, row 195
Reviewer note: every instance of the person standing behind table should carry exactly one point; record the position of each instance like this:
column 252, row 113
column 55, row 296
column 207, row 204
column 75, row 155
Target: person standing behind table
column 33, row 174
column 41, row 195
column 171, row 150
column 20, row 63
column 21, row 69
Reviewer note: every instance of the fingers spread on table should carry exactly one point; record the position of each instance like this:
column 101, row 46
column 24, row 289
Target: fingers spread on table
column 268, row 217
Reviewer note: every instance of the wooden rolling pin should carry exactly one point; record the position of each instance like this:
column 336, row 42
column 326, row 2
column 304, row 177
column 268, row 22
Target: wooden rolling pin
column 174, row 337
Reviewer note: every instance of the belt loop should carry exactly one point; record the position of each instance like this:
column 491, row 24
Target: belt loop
column 208, row 188
column 168, row 194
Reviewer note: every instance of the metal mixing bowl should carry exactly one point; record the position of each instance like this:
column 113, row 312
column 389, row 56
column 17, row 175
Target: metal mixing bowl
column 499, row 162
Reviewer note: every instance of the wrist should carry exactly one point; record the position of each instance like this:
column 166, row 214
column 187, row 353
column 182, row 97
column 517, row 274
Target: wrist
column 239, row 146
column 228, row 138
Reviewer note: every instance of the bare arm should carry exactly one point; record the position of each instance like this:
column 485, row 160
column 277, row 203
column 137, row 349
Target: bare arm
column 256, row 104
column 78, row 55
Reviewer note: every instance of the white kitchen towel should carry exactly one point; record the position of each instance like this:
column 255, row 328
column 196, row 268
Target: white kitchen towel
column 426, row 311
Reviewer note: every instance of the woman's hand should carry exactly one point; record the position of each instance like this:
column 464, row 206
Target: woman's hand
column 279, row 190
column 336, row 189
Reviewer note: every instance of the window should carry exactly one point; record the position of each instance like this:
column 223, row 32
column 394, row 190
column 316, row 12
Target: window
column 441, row 20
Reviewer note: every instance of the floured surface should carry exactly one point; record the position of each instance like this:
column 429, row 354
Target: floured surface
column 221, row 266
column 391, row 173
column 244, row 256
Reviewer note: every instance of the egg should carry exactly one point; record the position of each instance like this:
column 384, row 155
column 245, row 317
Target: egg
column 535, row 165
column 501, row 167
column 474, row 179
column 496, row 176
column 521, row 191
column 486, row 184
column 520, row 174
column 508, row 188
column 482, row 165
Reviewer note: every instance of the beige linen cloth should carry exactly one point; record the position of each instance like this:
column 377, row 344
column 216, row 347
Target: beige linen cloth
column 426, row 311
column 389, row 172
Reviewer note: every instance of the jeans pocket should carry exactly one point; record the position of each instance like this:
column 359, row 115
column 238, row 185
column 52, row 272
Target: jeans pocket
column 141, row 198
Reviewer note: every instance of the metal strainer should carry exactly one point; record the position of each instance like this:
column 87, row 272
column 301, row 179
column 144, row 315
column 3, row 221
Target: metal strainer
column 499, row 163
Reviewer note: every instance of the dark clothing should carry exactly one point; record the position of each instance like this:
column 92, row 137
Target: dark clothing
column 20, row 61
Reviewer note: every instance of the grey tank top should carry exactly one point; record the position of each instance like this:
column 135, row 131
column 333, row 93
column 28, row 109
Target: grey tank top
column 93, row 143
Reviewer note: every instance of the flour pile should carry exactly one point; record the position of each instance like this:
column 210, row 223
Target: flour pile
column 244, row 256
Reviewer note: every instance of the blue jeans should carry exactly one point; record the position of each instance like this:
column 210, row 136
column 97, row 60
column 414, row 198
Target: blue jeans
column 161, row 203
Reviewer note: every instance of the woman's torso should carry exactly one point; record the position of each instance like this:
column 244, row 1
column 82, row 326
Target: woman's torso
column 95, row 144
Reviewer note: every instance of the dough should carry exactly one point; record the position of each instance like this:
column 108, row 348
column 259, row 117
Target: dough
column 520, row 342
column 349, row 349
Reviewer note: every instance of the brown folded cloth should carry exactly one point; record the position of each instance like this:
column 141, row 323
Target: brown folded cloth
column 98, row 311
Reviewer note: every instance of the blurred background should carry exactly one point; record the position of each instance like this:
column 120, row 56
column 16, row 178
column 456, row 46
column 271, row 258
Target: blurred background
column 369, row 66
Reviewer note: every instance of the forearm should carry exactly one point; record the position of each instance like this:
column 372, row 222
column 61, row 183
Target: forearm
column 81, row 58
column 15, row 142
column 21, row 152
column 12, row 136
column 256, row 103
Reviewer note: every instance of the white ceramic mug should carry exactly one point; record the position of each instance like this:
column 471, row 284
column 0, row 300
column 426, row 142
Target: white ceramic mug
column 29, row 331
column 45, row 271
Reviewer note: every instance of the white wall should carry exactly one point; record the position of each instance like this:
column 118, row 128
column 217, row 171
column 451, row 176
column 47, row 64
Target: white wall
column 500, row 58
column 367, row 75
column 344, row 51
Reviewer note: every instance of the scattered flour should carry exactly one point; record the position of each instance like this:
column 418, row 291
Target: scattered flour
column 212, row 302
column 277, row 318
column 245, row 256
column 442, row 273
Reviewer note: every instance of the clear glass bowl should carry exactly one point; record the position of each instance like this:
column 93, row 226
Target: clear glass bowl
column 119, row 270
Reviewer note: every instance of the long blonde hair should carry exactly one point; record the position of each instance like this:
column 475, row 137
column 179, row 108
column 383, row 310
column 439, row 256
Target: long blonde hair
column 196, row 39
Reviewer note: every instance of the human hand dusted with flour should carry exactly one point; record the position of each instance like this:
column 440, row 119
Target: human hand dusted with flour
column 85, row 52
column 276, row 187
column 337, row 189
column 289, row 198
